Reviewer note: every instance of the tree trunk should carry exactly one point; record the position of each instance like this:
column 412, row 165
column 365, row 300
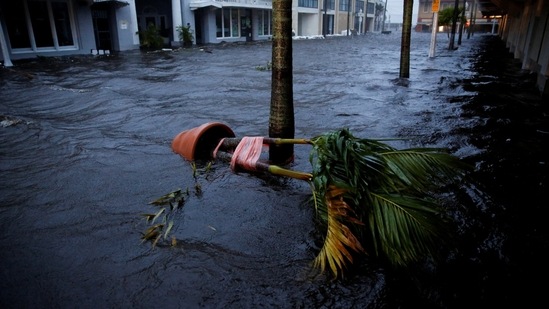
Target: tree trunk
column 405, row 43
column 281, row 120
column 461, row 23
column 454, row 24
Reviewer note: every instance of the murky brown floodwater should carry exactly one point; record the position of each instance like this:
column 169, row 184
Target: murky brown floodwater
column 86, row 146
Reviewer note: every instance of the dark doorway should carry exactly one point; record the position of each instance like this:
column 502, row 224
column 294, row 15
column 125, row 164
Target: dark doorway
column 198, row 23
column 102, row 29
column 246, row 24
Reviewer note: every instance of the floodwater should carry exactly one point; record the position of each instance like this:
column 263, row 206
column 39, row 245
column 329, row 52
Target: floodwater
column 86, row 145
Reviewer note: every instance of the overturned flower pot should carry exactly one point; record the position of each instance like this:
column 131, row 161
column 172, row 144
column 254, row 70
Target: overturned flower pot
column 199, row 142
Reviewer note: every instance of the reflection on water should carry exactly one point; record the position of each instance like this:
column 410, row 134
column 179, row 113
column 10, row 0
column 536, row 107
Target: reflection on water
column 86, row 146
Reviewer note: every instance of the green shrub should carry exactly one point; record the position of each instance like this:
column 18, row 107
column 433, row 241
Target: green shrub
column 150, row 38
column 185, row 35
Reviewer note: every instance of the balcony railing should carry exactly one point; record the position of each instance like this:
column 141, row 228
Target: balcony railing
column 114, row 1
column 232, row 3
column 252, row 2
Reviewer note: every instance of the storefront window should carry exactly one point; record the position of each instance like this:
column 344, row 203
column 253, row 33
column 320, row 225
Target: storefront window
column 50, row 21
column 234, row 24
column 16, row 23
column 265, row 22
column 41, row 23
column 227, row 23
column 219, row 23
column 62, row 23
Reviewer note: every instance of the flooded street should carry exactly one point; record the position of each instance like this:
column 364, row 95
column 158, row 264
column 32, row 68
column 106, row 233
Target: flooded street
column 86, row 145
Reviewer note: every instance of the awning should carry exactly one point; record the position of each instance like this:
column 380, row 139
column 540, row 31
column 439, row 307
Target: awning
column 109, row 3
column 194, row 5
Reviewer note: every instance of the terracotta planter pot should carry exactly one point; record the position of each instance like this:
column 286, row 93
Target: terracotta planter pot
column 200, row 142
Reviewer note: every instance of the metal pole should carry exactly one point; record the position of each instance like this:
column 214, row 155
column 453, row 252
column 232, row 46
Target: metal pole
column 434, row 35
column 360, row 19
column 473, row 7
column 324, row 23
column 384, row 13
column 348, row 16
column 4, row 48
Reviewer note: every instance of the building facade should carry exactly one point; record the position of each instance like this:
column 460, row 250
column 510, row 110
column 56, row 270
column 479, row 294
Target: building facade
column 476, row 21
column 30, row 28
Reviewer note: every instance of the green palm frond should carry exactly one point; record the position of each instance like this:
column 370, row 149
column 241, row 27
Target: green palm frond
column 405, row 228
column 424, row 169
column 387, row 189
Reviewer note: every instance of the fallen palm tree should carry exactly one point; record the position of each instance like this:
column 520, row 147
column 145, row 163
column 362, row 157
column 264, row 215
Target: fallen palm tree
column 371, row 198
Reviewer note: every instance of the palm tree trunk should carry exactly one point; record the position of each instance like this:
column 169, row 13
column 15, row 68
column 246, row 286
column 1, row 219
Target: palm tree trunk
column 454, row 24
column 461, row 23
column 405, row 43
column 281, row 120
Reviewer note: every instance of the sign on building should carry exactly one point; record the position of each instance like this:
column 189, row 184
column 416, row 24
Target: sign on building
column 436, row 4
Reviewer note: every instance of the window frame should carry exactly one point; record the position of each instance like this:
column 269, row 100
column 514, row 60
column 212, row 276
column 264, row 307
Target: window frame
column 55, row 47
column 230, row 29
column 344, row 5
column 265, row 23
column 308, row 4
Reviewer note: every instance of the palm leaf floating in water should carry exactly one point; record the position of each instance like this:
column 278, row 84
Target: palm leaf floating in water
column 371, row 195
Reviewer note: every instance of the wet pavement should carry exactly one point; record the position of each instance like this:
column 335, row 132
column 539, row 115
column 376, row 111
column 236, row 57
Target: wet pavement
column 86, row 146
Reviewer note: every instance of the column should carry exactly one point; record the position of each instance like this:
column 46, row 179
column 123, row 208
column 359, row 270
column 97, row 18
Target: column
column 4, row 48
column 133, row 24
column 176, row 21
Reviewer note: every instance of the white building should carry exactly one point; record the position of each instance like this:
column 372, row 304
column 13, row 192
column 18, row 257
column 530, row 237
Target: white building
column 29, row 28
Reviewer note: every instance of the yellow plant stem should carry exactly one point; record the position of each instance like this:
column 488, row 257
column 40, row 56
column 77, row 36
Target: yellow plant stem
column 280, row 171
column 273, row 169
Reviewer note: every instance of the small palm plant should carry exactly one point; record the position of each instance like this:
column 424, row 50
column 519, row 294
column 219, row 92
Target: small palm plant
column 185, row 35
column 150, row 38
